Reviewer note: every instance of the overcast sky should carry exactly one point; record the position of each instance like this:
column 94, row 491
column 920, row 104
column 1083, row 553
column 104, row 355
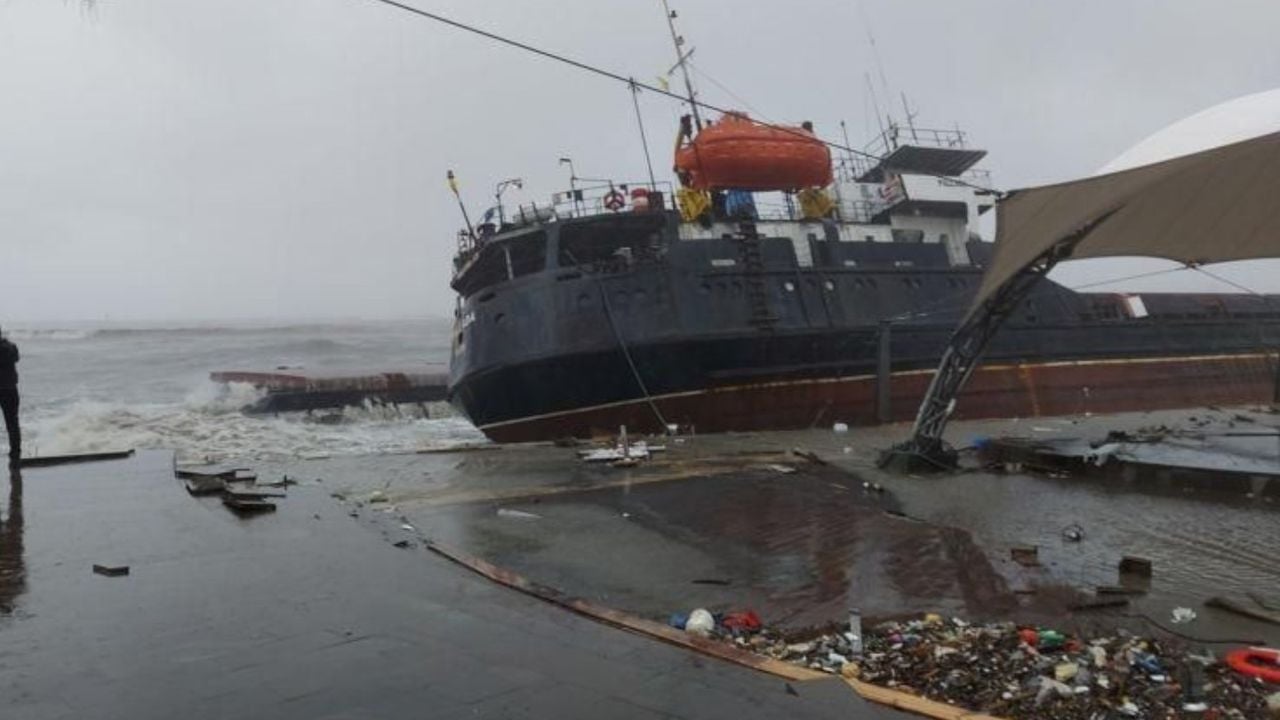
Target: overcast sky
column 168, row 159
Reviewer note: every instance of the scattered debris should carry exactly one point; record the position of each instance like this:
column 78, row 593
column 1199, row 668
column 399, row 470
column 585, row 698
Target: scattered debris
column 1073, row 533
column 1140, row 567
column 840, row 427
column 252, row 492
column 402, row 544
column 1025, row 555
column 283, row 482
column 808, row 455
column 247, row 505
column 700, row 622
column 111, row 570
column 1183, row 615
column 784, row 469
column 712, row 581
column 1012, row 671
column 518, row 514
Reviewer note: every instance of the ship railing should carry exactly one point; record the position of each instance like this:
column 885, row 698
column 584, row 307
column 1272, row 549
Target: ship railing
column 849, row 210
column 897, row 135
column 590, row 200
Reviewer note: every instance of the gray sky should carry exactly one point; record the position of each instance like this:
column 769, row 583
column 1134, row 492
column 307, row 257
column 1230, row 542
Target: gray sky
column 169, row 159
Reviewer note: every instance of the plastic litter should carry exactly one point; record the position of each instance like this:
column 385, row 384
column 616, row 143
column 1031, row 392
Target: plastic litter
column 517, row 514
column 700, row 622
column 840, row 428
column 1006, row 670
column 1183, row 615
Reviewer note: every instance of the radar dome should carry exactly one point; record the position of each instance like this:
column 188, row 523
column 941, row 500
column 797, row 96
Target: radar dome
column 1229, row 122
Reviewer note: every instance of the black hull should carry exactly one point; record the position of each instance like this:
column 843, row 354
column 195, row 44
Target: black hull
column 731, row 334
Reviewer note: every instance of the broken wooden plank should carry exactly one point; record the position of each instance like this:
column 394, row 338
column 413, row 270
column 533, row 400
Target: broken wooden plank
column 253, row 492
column 111, row 570
column 226, row 474
column 205, row 485
column 47, row 460
column 246, row 506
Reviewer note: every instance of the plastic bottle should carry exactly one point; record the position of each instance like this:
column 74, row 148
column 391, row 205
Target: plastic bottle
column 855, row 632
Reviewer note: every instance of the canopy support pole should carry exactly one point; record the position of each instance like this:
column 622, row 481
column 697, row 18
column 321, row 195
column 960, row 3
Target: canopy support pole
column 926, row 450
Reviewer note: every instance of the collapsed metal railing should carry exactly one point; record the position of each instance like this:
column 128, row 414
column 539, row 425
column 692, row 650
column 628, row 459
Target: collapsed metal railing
column 927, row 449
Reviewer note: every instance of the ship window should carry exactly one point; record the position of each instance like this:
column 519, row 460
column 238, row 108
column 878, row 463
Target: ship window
column 522, row 255
column 789, row 286
column 528, row 253
column 600, row 239
column 869, row 238
column 908, row 236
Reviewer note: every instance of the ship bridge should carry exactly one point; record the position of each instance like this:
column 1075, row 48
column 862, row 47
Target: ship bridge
column 917, row 151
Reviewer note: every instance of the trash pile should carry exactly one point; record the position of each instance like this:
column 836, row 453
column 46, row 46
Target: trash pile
column 1012, row 671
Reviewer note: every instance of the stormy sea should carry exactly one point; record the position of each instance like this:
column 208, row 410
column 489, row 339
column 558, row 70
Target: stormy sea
column 90, row 388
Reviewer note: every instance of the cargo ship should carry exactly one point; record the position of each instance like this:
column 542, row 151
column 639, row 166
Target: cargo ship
column 774, row 286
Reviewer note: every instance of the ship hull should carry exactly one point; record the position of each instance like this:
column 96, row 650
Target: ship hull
column 815, row 398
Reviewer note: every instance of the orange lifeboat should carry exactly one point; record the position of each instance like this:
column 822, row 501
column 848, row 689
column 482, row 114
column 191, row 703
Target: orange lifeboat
column 736, row 153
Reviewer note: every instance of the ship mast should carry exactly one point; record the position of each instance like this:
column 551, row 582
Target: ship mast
column 681, row 57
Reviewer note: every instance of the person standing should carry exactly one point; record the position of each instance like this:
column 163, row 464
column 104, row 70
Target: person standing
column 9, row 398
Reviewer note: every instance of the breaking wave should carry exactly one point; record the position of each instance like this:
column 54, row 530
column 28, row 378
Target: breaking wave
column 207, row 425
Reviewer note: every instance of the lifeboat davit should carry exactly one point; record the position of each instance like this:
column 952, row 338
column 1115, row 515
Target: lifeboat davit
column 736, row 153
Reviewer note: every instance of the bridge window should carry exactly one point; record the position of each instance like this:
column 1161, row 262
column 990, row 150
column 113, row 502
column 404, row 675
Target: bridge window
column 501, row 261
column 601, row 239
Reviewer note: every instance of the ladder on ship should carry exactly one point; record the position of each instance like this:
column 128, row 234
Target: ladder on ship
column 754, row 276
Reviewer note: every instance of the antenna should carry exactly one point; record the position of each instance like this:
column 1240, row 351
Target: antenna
column 875, row 54
column 681, row 57
column 875, row 104
column 910, row 117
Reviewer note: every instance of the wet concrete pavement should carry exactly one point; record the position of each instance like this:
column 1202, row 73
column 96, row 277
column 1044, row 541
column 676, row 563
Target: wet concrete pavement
column 308, row 613
column 802, row 547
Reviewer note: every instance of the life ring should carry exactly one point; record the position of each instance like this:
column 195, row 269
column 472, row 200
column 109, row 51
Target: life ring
column 615, row 200
column 1257, row 662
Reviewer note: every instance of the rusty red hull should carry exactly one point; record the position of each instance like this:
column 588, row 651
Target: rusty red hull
column 998, row 390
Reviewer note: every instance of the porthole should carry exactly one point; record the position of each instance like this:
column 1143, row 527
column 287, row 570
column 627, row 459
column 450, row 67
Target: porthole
column 789, row 286
column 830, row 286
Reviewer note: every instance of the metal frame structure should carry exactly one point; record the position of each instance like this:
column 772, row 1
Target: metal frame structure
column 927, row 449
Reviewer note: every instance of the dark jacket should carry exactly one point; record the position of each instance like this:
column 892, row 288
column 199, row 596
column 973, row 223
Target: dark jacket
column 8, row 365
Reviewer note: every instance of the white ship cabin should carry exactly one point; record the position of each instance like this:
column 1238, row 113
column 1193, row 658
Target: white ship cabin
column 913, row 186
